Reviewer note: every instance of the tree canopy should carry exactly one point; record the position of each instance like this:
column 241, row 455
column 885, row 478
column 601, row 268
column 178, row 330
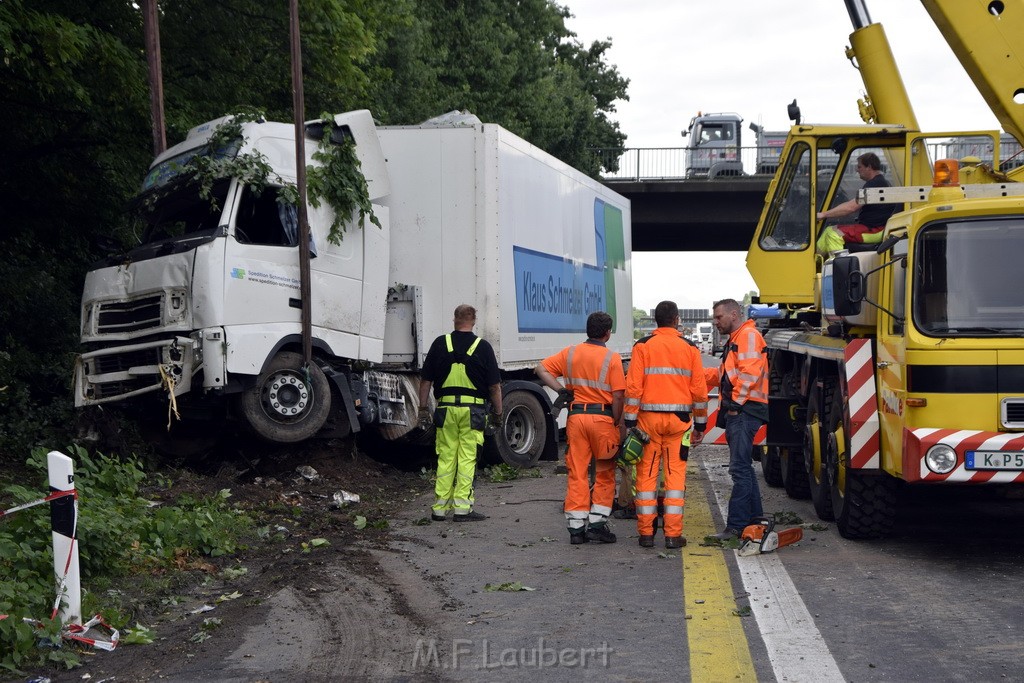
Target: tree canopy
column 74, row 108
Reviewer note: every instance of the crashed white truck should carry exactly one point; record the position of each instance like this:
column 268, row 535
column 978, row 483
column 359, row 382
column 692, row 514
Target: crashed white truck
column 205, row 312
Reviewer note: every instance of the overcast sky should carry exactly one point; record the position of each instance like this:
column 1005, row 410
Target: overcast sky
column 753, row 57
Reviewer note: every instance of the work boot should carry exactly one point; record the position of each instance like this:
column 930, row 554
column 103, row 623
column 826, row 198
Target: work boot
column 600, row 533
column 578, row 537
column 673, row 542
column 647, row 541
column 726, row 535
column 472, row 516
column 435, row 517
column 627, row 512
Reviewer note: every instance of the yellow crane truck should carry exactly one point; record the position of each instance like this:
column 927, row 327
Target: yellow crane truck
column 901, row 363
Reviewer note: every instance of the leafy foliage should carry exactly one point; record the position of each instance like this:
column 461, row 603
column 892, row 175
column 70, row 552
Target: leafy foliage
column 339, row 181
column 74, row 108
column 120, row 532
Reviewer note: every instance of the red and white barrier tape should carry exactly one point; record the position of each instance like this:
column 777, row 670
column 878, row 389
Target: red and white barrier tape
column 53, row 496
column 68, row 631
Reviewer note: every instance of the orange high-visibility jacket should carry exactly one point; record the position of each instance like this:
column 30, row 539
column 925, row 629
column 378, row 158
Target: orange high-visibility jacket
column 666, row 376
column 744, row 372
column 591, row 370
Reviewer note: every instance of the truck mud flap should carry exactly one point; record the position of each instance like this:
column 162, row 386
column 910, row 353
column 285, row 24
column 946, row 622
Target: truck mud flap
column 340, row 380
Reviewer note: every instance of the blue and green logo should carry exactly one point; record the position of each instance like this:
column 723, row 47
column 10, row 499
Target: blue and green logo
column 555, row 294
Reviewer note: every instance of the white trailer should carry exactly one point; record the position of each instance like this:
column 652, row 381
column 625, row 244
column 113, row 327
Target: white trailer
column 206, row 310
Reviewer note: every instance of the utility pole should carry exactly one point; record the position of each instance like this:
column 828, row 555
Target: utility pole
column 300, row 179
column 151, row 31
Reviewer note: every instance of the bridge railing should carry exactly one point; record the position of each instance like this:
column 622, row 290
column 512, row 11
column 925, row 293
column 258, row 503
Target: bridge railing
column 665, row 163
column 662, row 163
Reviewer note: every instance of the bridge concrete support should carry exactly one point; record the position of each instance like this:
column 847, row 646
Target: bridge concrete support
column 694, row 215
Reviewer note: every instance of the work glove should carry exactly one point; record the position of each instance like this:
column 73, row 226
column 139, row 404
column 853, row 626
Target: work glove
column 562, row 400
column 492, row 423
column 426, row 419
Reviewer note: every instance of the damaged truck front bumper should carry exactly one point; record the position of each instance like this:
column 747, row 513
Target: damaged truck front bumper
column 122, row 372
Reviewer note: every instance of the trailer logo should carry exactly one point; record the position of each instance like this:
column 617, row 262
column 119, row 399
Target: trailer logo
column 556, row 294
column 238, row 273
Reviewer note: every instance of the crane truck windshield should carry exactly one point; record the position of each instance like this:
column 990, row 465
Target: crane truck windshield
column 966, row 281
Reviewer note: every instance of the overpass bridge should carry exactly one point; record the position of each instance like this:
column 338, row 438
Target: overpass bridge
column 675, row 213
column 693, row 215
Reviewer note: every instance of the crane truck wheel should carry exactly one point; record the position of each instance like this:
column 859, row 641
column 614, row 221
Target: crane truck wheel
column 794, row 473
column 771, row 465
column 816, row 433
column 523, row 431
column 285, row 405
column 863, row 502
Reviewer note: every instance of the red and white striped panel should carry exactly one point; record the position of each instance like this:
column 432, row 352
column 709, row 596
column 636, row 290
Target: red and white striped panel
column 863, row 404
column 716, row 435
column 918, row 441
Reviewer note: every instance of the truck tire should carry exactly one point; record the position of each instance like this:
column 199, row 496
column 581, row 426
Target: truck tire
column 771, row 466
column 523, row 431
column 282, row 407
column 794, row 473
column 863, row 502
column 771, row 461
column 817, row 429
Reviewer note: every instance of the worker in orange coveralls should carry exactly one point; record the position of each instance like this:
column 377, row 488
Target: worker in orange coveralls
column 594, row 384
column 666, row 393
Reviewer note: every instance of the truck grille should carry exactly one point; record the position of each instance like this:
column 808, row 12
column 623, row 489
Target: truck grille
column 130, row 316
column 121, row 362
column 1012, row 413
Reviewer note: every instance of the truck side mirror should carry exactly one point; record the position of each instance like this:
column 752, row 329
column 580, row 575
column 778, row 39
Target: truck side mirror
column 847, row 285
column 793, row 110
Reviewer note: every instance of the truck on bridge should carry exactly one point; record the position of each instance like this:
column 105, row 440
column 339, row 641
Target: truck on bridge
column 716, row 144
column 900, row 363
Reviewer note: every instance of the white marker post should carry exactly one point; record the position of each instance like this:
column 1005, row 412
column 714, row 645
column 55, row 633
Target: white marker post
column 63, row 523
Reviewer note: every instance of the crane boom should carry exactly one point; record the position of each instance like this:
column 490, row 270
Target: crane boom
column 986, row 38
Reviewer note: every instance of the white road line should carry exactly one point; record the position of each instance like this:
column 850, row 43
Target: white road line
column 795, row 646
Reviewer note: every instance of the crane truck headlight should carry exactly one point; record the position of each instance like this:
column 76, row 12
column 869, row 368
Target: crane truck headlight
column 940, row 458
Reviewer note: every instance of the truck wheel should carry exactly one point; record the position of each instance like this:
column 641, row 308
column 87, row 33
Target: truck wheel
column 283, row 406
column 864, row 503
column 523, row 430
column 771, row 465
column 794, row 473
column 816, row 432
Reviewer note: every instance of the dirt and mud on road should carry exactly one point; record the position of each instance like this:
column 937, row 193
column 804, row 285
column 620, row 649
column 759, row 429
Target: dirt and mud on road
column 403, row 598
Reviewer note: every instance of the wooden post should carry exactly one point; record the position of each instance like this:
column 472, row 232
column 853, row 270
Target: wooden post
column 151, row 30
column 300, row 178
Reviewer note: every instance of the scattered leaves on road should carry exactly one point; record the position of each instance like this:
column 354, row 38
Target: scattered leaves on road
column 510, row 587
column 787, row 517
column 138, row 635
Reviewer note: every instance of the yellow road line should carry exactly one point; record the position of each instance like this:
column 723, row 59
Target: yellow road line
column 718, row 646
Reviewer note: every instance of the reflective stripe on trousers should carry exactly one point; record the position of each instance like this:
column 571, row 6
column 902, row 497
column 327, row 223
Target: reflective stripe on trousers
column 666, row 431
column 590, row 437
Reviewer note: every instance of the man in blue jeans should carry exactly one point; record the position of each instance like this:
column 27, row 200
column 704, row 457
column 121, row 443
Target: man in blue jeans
column 743, row 408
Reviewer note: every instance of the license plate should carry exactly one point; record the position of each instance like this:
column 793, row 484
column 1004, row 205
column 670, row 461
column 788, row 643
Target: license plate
column 995, row 460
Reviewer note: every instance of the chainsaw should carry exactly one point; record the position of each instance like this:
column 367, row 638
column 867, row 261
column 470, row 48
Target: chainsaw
column 761, row 537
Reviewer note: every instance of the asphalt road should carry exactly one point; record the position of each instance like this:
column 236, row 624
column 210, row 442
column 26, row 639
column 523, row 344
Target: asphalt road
column 936, row 602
